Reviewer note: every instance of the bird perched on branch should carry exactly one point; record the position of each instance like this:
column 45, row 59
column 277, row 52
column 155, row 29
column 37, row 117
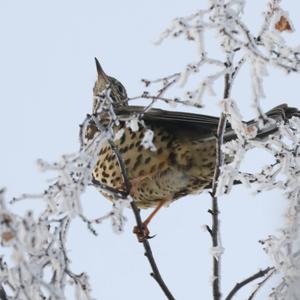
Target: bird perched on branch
column 179, row 160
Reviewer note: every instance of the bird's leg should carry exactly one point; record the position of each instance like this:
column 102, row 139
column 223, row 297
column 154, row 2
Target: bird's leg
column 144, row 234
column 135, row 181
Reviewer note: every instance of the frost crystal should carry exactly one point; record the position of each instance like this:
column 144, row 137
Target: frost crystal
column 283, row 248
column 41, row 268
column 119, row 134
column 217, row 252
column 133, row 124
column 147, row 141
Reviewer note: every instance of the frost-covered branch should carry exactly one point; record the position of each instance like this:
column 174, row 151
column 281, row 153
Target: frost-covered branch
column 261, row 51
column 283, row 174
column 217, row 249
column 224, row 18
column 40, row 267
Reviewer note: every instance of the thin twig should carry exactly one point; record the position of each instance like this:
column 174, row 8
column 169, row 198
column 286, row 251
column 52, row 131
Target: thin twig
column 147, row 82
column 166, row 100
column 148, row 251
column 160, row 93
column 117, row 154
column 260, row 284
column 241, row 284
column 215, row 210
column 108, row 189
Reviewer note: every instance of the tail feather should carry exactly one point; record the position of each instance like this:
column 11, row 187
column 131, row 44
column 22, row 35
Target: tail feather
column 283, row 112
column 280, row 113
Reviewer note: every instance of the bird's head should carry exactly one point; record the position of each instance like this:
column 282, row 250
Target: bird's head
column 116, row 90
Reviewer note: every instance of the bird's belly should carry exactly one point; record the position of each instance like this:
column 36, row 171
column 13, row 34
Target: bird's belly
column 172, row 171
column 167, row 186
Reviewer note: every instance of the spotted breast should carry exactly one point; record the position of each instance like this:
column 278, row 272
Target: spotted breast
column 179, row 165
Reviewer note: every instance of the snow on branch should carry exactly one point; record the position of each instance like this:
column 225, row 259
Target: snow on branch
column 261, row 51
column 283, row 174
column 224, row 18
column 40, row 267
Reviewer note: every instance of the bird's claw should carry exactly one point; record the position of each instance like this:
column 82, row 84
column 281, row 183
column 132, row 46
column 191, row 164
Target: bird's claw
column 143, row 234
column 151, row 236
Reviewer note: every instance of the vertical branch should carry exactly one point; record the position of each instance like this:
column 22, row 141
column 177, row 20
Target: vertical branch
column 148, row 251
column 215, row 231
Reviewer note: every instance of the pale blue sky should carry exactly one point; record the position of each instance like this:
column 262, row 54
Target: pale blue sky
column 47, row 73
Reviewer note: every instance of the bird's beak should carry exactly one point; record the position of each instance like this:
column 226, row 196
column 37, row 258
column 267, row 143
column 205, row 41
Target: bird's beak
column 101, row 76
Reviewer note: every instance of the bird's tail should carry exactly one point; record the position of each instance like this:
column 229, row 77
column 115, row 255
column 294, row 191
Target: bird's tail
column 280, row 113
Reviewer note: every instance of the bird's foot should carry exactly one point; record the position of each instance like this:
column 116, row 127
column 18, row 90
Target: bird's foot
column 142, row 234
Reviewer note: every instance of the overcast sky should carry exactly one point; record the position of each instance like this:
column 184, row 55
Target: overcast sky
column 47, row 73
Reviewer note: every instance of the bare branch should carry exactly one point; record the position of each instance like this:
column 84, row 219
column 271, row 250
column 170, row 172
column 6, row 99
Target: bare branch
column 148, row 251
column 215, row 210
column 260, row 284
column 214, row 230
column 248, row 280
column 166, row 100
column 149, row 254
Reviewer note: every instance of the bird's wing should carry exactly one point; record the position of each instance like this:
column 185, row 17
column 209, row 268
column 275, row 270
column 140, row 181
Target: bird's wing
column 173, row 120
column 202, row 125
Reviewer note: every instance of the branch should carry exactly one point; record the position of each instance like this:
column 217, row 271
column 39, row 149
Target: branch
column 214, row 231
column 260, row 284
column 257, row 275
column 148, row 251
column 161, row 91
column 171, row 101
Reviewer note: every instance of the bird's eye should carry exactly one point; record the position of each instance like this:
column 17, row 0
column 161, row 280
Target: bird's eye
column 118, row 91
column 121, row 90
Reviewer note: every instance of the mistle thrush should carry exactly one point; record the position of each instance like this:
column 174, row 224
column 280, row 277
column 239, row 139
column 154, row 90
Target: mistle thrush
column 183, row 160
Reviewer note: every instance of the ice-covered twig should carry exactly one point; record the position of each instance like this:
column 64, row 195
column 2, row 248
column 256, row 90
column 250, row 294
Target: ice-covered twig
column 268, row 48
column 283, row 174
column 215, row 231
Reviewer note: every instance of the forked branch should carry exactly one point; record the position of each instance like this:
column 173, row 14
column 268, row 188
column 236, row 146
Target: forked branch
column 259, row 274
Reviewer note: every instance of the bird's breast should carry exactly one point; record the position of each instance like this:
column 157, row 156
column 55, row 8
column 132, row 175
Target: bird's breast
column 177, row 167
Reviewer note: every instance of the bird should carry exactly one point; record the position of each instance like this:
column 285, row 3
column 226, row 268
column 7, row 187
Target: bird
column 181, row 161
